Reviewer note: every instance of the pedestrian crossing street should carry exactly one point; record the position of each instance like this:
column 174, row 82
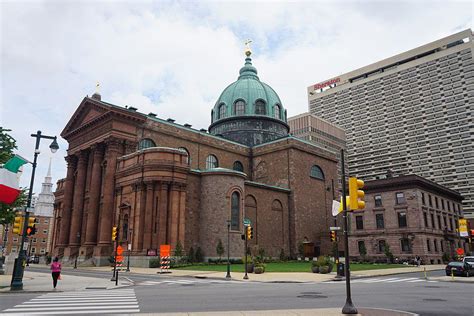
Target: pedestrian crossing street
column 188, row 282
column 117, row 301
column 385, row 280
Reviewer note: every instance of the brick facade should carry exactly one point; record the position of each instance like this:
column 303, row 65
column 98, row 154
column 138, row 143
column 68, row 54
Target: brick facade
column 167, row 193
column 414, row 196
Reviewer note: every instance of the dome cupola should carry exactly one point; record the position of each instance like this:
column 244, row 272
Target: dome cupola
column 249, row 111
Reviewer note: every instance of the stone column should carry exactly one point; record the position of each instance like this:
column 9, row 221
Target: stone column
column 67, row 203
column 107, row 212
column 76, row 221
column 94, row 196
column 163, row 214
column 174, row 222
column 182, row 216
column 148, row 217
column 140, row 218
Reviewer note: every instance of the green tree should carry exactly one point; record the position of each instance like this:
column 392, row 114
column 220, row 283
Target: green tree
column 363, row 251
column 7, row 145
column 191, row 255
column 388, row 253
column 220, row 249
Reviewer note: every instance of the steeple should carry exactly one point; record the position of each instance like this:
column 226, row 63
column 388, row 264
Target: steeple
column 45, row 204
column 248, row 71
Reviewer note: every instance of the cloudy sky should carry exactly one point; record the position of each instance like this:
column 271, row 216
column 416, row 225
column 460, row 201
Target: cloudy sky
column 175, row 57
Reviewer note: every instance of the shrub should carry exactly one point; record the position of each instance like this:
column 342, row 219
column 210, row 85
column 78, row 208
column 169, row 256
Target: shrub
column 178, row 249
column 363, row 252
column 323, row 261
column 301, row 249
column 154, row 263
column 446, row 257
column 259, row 269
column 249, row 259
column 388, row 253
column 283, row 255
column 220, row 249
column 199, row 255
column 191, row 255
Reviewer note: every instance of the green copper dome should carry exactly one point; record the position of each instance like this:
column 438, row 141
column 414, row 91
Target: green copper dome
column 248, row 96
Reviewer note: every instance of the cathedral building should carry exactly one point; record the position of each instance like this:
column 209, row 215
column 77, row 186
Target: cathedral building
column 160, row 182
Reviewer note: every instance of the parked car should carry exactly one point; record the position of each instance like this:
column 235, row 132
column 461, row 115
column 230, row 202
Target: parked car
column 459, row 268
column 469, row 260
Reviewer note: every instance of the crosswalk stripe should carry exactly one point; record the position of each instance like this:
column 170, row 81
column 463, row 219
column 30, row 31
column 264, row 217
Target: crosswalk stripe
column 401, row 280
column 417, row 280
column 122, row 311
column 87, row 302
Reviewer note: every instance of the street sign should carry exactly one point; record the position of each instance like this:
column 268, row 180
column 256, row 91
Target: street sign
column 463, row 228
column 333, row 228
column 25, row 246
column 129, row 247
column 247, row 222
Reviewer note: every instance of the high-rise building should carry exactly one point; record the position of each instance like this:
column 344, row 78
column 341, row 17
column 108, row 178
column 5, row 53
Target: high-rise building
column 322, row 133
column 410, row 113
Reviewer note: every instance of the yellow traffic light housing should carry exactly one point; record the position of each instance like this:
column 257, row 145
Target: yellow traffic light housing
column 31, row 228
column 356, row 196
column 249, row 232
column 18, row 224
column 333, row 236
column 114, row 233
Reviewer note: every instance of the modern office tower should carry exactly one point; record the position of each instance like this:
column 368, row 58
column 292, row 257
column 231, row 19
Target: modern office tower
column 411, row 113
column 322, row 133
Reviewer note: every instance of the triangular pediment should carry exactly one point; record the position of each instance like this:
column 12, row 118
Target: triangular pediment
column 87, row 112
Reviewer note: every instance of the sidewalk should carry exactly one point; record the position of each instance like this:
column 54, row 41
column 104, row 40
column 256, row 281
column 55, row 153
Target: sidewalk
column 42, row 282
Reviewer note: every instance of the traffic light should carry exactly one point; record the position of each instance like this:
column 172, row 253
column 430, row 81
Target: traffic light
column 333, row 236
column 31, row 228
column 18, row 224
column 355, row 195
column 249, row 231
column 114, row 233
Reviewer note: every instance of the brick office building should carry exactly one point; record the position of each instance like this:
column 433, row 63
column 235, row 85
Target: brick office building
column 413, row 215
column 160, row 182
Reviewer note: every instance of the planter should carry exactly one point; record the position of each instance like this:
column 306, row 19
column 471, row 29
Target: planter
column 259, row 270
column 324, row 269
column 330, row 268
column 250, row 267
column 315, row 269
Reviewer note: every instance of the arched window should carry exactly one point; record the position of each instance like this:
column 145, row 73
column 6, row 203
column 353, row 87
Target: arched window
column 146, row 143
column 221, row 111
column 235, row 211
column 238, row 166
column 239, row 107
column 188, row 160
column 277, row 113
column 260, row 107
column 125, row 227
column 211, row 162
column 276, row 206
column 317, row 172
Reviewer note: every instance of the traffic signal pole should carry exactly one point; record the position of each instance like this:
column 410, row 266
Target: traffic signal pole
column 245, row 253
column 349, row 307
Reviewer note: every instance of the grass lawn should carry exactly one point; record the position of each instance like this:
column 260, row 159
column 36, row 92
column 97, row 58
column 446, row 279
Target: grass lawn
column 294, row 266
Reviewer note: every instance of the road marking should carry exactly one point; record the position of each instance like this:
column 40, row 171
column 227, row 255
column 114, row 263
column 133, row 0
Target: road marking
column 82, row 302
column 388, row 280
column 401, row 280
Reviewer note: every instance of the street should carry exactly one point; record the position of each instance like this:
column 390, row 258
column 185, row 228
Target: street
column 166, row 293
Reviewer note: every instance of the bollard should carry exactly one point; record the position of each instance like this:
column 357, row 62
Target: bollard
column 424, row 271
column 452, row 274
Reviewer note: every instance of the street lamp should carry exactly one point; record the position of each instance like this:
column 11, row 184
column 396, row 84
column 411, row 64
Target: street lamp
column 228, row 250
column 78, row 236
column 17, row 277
column 129, row 248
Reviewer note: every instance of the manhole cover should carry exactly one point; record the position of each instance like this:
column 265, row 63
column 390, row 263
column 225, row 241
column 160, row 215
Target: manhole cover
column 432, row 287
column 312, row 296
column 434, row 300
column 190, row 284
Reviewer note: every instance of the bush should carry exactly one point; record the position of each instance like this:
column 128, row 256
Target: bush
column 301, row 249
column 283, row 256
column 259, row 269
column 446, row 257
column 178, row 249
column 154, row 263
column 220, row 249
column 249, row 259
column 191, row 255
column 323, row 261
column 199, row 255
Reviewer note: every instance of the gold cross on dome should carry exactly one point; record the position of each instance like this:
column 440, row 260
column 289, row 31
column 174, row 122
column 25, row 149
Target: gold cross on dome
column 248, row 51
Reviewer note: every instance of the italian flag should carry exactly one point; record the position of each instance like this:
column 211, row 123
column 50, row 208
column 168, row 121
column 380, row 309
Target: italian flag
column 10, row 180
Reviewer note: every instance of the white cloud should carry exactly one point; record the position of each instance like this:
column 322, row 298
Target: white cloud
column 175, row 58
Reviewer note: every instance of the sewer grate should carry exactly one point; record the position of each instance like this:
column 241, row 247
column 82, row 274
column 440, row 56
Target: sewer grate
column 434, row 300
column 312, row 296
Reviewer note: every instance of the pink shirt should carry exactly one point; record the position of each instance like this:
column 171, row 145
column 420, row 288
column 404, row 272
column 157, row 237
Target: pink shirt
column 56, row 267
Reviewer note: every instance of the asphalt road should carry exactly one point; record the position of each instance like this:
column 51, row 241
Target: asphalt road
column 408, row 291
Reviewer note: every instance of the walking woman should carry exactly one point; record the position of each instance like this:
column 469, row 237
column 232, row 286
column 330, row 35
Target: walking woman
column 55, row 271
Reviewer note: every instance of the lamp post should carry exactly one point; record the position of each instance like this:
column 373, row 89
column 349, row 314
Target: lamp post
column 78, row 236
column 228, row 251
column 129, row 248
column 17, row 278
